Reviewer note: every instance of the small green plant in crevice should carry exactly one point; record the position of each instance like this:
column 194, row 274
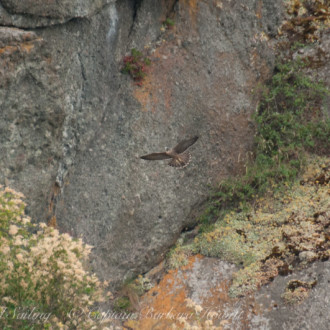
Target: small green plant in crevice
column 136, row 66
column 297, row 45
column 122, row 304
column 169, row 23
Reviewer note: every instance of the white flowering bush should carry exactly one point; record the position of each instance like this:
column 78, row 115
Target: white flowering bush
column 43, row 281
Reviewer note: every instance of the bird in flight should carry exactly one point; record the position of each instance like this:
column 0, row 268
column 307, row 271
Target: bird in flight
column 180, row 157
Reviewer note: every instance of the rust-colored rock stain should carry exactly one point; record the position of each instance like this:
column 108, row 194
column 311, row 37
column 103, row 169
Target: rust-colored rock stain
column 157, row 86
column 25, row 47
column 173, row 303
column 192, row 8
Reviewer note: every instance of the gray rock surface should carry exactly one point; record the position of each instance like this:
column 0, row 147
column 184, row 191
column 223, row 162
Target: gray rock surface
column 31, row 116
column 312, row 313
column 35, row 13
column 73, row 127
column 53, row 9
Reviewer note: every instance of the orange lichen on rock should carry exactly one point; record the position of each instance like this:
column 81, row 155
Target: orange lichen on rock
column 192, row 6
column 259, row 9
column 164, row 304
column 185, row 299
column 8, row 50
column 27, row 47
column 22, row 47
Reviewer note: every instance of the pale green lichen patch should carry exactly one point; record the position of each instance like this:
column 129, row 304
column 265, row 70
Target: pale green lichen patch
column 297, row 291
column 179, row 254
column 275, row 231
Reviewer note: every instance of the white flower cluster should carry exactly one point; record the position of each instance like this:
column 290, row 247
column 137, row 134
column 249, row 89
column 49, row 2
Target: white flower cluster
column 42, row 268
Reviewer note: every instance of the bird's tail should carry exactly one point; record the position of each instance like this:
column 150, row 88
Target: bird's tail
column 181, row 161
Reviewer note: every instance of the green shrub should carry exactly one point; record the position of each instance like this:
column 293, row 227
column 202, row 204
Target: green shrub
column 289, row 121
column 42, row 272
column 136, row 66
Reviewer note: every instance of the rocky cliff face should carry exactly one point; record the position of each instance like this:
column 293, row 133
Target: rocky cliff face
column 73, row 127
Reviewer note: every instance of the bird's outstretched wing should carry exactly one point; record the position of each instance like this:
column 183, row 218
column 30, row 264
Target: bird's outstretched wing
column 156, row 156
column 183, row 145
